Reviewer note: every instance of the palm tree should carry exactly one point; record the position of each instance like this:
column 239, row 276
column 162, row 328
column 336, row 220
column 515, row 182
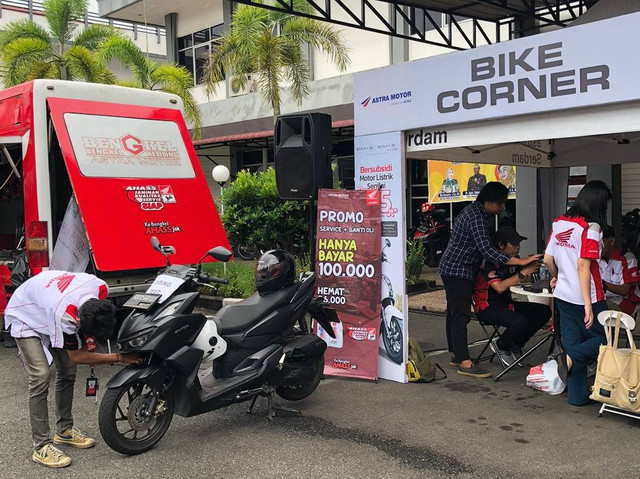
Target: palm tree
column 267, row 45
column 29, row 51
column 148, row 74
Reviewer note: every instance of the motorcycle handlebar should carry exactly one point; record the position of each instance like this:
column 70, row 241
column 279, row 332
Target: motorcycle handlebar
column 205, row 278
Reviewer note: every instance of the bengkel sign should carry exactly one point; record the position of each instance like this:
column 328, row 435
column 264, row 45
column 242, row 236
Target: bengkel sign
column 575, row 67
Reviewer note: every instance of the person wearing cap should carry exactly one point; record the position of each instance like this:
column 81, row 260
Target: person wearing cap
column 619, row 274
column 493, row 304
column 460, row 264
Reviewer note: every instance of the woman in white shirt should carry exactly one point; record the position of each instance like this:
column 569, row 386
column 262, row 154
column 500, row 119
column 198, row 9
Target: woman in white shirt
column 571, row 257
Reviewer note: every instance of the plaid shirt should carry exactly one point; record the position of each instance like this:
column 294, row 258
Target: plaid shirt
column 469, row 244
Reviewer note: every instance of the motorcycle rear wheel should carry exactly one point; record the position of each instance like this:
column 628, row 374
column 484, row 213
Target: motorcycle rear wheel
column 121, row 425
column 296, row 393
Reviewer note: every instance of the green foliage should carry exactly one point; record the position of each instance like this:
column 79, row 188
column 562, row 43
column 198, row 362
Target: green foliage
column 268, row 46
column 29, row 51
column 240, row 277
column 255, row 215
column 415, row 260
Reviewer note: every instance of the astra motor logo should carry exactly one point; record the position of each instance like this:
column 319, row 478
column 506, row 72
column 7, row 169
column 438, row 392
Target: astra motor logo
column 405, row 96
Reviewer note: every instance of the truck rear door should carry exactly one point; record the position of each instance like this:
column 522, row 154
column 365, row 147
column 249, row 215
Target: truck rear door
column 135, row 174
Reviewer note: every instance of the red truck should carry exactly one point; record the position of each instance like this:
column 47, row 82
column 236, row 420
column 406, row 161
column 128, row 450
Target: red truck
column 88, row 173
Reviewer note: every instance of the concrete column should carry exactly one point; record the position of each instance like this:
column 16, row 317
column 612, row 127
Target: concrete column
column 171, row 27
column 527, row 208
column 611, row 175
column 398, row 47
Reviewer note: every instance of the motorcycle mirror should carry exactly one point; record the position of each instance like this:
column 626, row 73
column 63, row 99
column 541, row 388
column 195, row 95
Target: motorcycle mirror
column 220, row 253
column 387, row 242
column 155, row 243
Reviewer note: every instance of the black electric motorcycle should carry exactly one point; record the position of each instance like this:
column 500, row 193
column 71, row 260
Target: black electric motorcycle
column 261, row 346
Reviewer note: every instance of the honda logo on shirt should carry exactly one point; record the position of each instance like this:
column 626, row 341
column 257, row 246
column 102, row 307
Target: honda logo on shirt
column 62, row 282
column 563, row 239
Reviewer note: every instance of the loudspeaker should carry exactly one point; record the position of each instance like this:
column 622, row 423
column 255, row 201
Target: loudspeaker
column 302, row 153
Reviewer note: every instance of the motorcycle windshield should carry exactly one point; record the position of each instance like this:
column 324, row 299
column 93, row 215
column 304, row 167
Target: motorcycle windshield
column 135, row 174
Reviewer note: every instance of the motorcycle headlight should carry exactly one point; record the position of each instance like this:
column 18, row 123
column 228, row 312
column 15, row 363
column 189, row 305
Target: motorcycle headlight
column 139, row 340
column 169, row 310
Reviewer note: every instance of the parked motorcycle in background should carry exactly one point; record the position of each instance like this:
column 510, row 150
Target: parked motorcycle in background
column 433, row 231
column 261, row 346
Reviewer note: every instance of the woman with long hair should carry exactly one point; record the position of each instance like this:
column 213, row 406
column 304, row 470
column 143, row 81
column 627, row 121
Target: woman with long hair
column 571, row 257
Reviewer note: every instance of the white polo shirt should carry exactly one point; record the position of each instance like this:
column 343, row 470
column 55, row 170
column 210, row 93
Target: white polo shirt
column 621, row 270
column 569, row 240
column 46, row 305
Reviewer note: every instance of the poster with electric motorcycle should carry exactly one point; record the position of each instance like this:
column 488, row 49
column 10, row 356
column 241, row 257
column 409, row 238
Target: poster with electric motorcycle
column 348, row 266
column 450, row 182
column 379, row 164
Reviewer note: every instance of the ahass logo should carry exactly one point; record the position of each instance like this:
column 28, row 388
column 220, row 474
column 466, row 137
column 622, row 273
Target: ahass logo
column 396, row 97
column 151, row 197
column 562, row 239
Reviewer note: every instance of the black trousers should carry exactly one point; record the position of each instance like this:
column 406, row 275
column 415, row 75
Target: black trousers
column 521, row 324
column 459, row 292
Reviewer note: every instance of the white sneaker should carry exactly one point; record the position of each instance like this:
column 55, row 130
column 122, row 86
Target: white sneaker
column 506, row 357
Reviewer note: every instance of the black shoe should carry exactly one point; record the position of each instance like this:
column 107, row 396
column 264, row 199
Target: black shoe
column 474, row 371
column 453, row 362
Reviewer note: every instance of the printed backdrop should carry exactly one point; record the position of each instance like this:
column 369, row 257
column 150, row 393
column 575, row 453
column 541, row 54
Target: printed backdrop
column 452, row 182
column 348, row 266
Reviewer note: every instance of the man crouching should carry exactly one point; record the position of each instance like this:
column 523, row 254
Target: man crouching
column 57, row 316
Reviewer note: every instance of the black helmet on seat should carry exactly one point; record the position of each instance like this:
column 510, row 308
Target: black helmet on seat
column 275, row 269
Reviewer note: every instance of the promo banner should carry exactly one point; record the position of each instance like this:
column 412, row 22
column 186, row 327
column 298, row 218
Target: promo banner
column 348, row 265
column 379, row 164
column 450, row 182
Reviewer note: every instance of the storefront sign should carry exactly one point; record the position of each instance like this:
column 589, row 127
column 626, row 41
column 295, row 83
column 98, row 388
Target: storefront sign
column 348, row 266
column 558, row 70
column 379, row 163
column 450, row 182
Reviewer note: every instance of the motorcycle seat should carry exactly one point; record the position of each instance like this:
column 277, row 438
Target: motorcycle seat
column 238, row 317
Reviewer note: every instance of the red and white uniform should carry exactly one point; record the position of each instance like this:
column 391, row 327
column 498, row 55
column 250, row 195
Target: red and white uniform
column 46, row 305
column 621, row 270
column 569, row 240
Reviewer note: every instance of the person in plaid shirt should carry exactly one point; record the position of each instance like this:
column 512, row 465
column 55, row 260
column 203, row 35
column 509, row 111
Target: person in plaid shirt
column 459, row 266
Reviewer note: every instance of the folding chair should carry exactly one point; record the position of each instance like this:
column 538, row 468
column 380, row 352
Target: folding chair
column 490, row 336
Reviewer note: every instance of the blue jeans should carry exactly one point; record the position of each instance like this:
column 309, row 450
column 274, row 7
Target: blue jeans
column 581, row 344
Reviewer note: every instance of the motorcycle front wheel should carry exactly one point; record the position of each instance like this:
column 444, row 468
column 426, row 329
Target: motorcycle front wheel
column 123, row 424
column 392, row 339
column 304, row 390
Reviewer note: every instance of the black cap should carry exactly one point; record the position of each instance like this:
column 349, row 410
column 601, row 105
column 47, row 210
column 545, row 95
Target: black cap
column 508, row 234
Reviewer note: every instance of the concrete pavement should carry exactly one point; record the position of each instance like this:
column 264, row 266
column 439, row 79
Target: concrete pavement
column 457, row 427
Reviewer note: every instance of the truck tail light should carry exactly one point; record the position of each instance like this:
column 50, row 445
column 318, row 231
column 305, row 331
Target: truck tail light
column 38, row 244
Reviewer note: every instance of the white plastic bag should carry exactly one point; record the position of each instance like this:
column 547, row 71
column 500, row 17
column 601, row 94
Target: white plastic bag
column 544, row 377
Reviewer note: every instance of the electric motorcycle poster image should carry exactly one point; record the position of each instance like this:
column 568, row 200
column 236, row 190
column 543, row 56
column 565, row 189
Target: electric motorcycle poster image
column 391, row 324
column 259, row 347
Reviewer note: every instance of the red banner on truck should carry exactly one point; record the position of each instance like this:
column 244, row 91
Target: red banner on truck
column 348, row 263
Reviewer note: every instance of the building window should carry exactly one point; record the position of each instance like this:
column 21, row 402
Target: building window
column 194, row 50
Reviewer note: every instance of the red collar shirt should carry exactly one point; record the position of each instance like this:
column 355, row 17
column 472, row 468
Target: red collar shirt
column 569, row 240
column 621, row 269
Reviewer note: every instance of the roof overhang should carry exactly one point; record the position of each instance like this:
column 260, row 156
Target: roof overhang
column 152, row 12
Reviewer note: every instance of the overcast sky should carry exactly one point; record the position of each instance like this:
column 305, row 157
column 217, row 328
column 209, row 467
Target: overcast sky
column 93, row 6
